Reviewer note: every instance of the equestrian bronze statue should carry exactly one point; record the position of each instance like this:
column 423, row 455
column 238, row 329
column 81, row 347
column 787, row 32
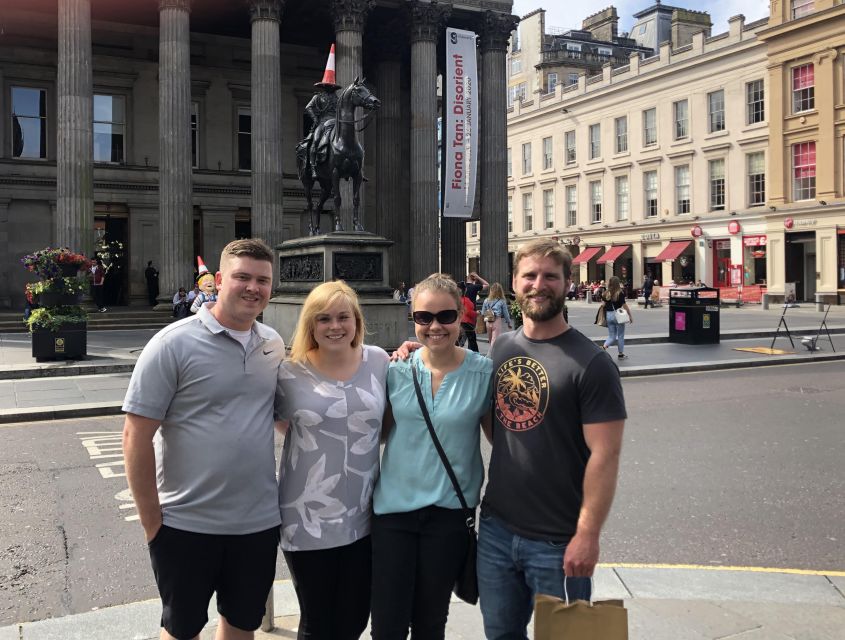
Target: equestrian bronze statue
column 331, row 151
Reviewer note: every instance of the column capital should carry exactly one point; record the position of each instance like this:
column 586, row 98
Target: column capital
column 427, row 19
column 265, row 9
column 174, row 4
column 496, row 30
column 350, row 15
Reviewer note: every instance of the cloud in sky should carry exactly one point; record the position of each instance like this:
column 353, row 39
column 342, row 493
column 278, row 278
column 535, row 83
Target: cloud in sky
column 560, row 14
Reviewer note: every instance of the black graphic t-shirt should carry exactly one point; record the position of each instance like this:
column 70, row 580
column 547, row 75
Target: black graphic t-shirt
column 544, row 392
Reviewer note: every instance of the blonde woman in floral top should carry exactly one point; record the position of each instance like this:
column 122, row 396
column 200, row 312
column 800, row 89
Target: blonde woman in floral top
column 331, row 393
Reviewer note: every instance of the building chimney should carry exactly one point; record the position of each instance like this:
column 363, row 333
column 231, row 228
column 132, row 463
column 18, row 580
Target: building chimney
column 685, row 23
column 602, row 25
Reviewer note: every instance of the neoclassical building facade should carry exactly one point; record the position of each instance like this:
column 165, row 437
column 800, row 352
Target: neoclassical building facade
column 698, row 163
column 169, row 126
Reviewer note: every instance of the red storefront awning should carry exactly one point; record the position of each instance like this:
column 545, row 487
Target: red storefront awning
column 672, row 250
column 586, row 255
column 613, row 253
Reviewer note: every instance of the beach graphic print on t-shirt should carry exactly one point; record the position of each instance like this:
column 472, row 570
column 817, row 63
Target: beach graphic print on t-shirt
column 522, row 393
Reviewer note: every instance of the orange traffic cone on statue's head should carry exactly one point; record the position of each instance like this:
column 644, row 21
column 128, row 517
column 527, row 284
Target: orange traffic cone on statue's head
column 329, row 80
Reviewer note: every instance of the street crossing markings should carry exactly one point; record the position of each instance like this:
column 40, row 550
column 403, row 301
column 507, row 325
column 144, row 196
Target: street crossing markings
column 109, row 445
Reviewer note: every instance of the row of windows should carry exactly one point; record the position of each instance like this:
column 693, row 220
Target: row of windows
column 29, row 128
column 803, row 188
column 755, row 112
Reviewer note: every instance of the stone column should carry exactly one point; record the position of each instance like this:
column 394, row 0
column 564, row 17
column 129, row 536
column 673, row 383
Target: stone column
column 266, row 110
column 392, row 220
column 6, row 264
column 427, row 20
column 174, row 123
column 495, row 32
column 350, row 17
column 74, row 220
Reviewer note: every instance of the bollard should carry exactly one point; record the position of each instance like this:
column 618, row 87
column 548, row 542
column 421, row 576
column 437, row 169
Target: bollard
column 764, row 300
column 267, row 623
column 820, row 302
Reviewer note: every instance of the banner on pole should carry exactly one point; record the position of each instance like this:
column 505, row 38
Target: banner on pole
column 460, row 139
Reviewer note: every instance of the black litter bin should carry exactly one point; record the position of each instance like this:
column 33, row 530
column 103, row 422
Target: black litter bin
column 694, row 315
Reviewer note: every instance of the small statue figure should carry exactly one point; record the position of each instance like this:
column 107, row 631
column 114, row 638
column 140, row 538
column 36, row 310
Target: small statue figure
column 321, row 109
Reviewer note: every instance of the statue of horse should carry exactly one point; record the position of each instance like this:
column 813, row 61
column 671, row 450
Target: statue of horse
column 343, row 157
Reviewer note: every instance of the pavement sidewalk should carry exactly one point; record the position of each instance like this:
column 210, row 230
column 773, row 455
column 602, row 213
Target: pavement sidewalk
column 663, row 604
column 95, row 386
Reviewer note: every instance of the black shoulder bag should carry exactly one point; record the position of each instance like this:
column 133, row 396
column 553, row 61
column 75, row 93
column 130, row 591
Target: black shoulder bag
column 466, row 585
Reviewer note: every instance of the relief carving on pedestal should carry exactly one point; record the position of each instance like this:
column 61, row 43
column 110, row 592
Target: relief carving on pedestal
column 358, row 266
column 305, row 268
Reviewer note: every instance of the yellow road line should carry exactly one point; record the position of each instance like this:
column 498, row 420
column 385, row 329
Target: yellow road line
column 799, row 572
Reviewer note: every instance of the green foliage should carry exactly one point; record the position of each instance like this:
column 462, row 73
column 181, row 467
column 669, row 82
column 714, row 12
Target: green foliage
column 52, row 318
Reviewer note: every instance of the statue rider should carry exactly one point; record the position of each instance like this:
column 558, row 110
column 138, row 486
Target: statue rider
column 321, row 110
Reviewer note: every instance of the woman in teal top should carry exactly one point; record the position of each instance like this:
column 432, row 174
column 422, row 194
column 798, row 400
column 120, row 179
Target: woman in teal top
column 418, row 531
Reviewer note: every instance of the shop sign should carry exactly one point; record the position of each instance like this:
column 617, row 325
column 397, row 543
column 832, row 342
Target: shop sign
column 806, row 223
column 723, row 245
column 696, row 231
column 754, row 241
column 734, row 227
column 650, row 236
column 788, row 223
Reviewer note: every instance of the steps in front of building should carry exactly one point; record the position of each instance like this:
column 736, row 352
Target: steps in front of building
column 120, row 318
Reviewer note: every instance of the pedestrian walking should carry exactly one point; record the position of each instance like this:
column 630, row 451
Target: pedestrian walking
column 420, row 536
column 648, row 287
column 617, row 314
column 98, row 279
column 469, row 317
column 331, row 393
column 202, row 393
column 497, row 317
column 151, row 276
column 558, row 416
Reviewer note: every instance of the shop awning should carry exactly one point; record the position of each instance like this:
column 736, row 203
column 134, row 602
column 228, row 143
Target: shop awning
column 613, row 254
column 672, row 250
column 586, row 255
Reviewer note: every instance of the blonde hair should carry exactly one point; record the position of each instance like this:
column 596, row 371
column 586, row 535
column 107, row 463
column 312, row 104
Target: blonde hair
column 320, row 299
column 614, row 287
column 439, row 282
column 544, row 248
column 496, row 292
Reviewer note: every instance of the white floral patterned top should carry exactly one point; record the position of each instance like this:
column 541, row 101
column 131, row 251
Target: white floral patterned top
column 330, row 459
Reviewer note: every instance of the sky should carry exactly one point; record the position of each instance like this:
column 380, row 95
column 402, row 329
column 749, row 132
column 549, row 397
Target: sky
column 560, row 14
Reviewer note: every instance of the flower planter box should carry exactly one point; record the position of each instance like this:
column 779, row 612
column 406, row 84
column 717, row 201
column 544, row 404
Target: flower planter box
column 69, row 342
column 57, row 298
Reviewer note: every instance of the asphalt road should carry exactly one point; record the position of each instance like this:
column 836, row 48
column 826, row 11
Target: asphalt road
column 735, row 468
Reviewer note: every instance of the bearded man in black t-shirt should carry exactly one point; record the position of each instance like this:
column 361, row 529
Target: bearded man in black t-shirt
column 557, row 423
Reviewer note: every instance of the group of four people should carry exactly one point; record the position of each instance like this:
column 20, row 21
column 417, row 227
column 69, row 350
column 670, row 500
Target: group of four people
column 370, row 537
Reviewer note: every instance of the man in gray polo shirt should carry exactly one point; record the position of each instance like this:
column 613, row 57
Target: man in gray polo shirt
column 198, row 443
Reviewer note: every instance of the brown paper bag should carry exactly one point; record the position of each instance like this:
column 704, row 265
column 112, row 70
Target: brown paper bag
column 579, row 620
column 480, row 325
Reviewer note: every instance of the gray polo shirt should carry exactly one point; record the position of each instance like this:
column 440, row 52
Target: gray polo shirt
column 215, row 465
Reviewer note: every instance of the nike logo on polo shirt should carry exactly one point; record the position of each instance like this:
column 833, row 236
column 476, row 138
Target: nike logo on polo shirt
column 267, row 353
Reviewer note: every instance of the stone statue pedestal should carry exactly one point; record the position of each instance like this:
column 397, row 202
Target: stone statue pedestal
column 357, row 258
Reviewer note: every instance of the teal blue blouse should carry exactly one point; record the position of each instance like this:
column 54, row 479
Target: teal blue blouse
column 412, row 474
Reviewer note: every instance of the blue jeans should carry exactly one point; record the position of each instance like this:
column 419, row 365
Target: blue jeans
column 615, row 332
column 511, row 571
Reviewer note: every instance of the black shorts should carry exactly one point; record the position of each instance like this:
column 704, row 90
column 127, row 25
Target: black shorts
column 189, row 567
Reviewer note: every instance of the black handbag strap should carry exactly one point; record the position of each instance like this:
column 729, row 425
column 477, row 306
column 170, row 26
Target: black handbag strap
column 470, row 522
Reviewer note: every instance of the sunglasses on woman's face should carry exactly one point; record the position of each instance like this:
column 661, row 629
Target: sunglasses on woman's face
column 425, row 318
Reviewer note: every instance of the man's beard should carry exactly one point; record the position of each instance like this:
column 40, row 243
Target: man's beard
column 553, row 306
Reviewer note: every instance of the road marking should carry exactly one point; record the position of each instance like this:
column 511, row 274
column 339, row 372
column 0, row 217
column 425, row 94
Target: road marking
column 109, row 444
column 698, row 567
